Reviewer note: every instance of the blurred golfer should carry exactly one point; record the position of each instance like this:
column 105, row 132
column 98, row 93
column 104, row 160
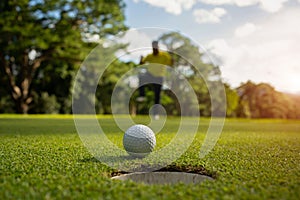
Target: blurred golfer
column 154, row 74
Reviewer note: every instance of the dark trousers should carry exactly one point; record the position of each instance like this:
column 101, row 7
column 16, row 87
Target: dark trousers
column 154, row 81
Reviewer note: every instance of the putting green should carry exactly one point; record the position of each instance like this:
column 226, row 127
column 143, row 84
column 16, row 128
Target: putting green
column 42, row 157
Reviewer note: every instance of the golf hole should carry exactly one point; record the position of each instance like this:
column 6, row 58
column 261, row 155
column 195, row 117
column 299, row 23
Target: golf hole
column 163, row 177
column 167, row 175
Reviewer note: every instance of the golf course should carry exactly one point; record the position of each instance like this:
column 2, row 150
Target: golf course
column 42, row 157
column 149, row 99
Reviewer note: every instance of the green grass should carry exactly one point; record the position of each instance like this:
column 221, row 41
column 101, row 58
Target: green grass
column 42, row 157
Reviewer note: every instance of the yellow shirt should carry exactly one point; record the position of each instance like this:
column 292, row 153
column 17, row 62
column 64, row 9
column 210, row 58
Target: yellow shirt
column 155, row 62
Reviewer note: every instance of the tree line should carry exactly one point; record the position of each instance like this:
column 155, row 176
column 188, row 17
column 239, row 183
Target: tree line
column 43, row 44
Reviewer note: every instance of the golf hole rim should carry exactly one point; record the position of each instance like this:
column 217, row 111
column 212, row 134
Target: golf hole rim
column 163, row 178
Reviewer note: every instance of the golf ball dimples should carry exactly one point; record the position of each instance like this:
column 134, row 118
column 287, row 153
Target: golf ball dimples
column 139, row 140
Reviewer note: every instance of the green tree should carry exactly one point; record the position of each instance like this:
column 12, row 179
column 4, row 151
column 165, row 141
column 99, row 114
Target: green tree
column 295, row 105
column 245, row 92
column 96, row 79
column 188, row 61
column 53, row 71
column 263, row 101
column 35, row 32
column 232, row 101
column 108, row 81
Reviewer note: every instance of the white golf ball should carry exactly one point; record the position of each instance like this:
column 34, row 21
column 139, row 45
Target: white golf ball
column 139, row 140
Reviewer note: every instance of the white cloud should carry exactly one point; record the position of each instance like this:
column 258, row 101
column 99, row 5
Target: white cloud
column 244, row 3
column 177, row 6
column 245, row 30
column 171, row 6
column 217, row 2
column 267, row 5
column 272, row 5
column 139, row 44
column 270, row 55
column 209, row 16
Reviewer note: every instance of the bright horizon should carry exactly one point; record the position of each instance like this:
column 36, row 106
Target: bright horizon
column 257, row 40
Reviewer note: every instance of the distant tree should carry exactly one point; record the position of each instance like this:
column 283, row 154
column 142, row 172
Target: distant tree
column 35, row 32
column 53, row 71
column 188, row 61
column 263, row 101
column 45, row 103
column 232, row 101
column 107, row 83
column 295, row 105
column 96, row 78
column 245, row 91
column 186, row 55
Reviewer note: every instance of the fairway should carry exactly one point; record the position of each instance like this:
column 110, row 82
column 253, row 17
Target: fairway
column 42, row 157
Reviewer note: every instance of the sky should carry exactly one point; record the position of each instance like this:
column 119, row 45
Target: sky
column 257, row 40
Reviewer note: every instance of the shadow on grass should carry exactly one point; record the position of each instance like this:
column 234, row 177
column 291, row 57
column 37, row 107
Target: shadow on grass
column 200, row 170
column 188, row 169
column 108, row 158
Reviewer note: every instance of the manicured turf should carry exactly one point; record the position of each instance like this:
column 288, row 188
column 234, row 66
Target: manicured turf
column 42, row 157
